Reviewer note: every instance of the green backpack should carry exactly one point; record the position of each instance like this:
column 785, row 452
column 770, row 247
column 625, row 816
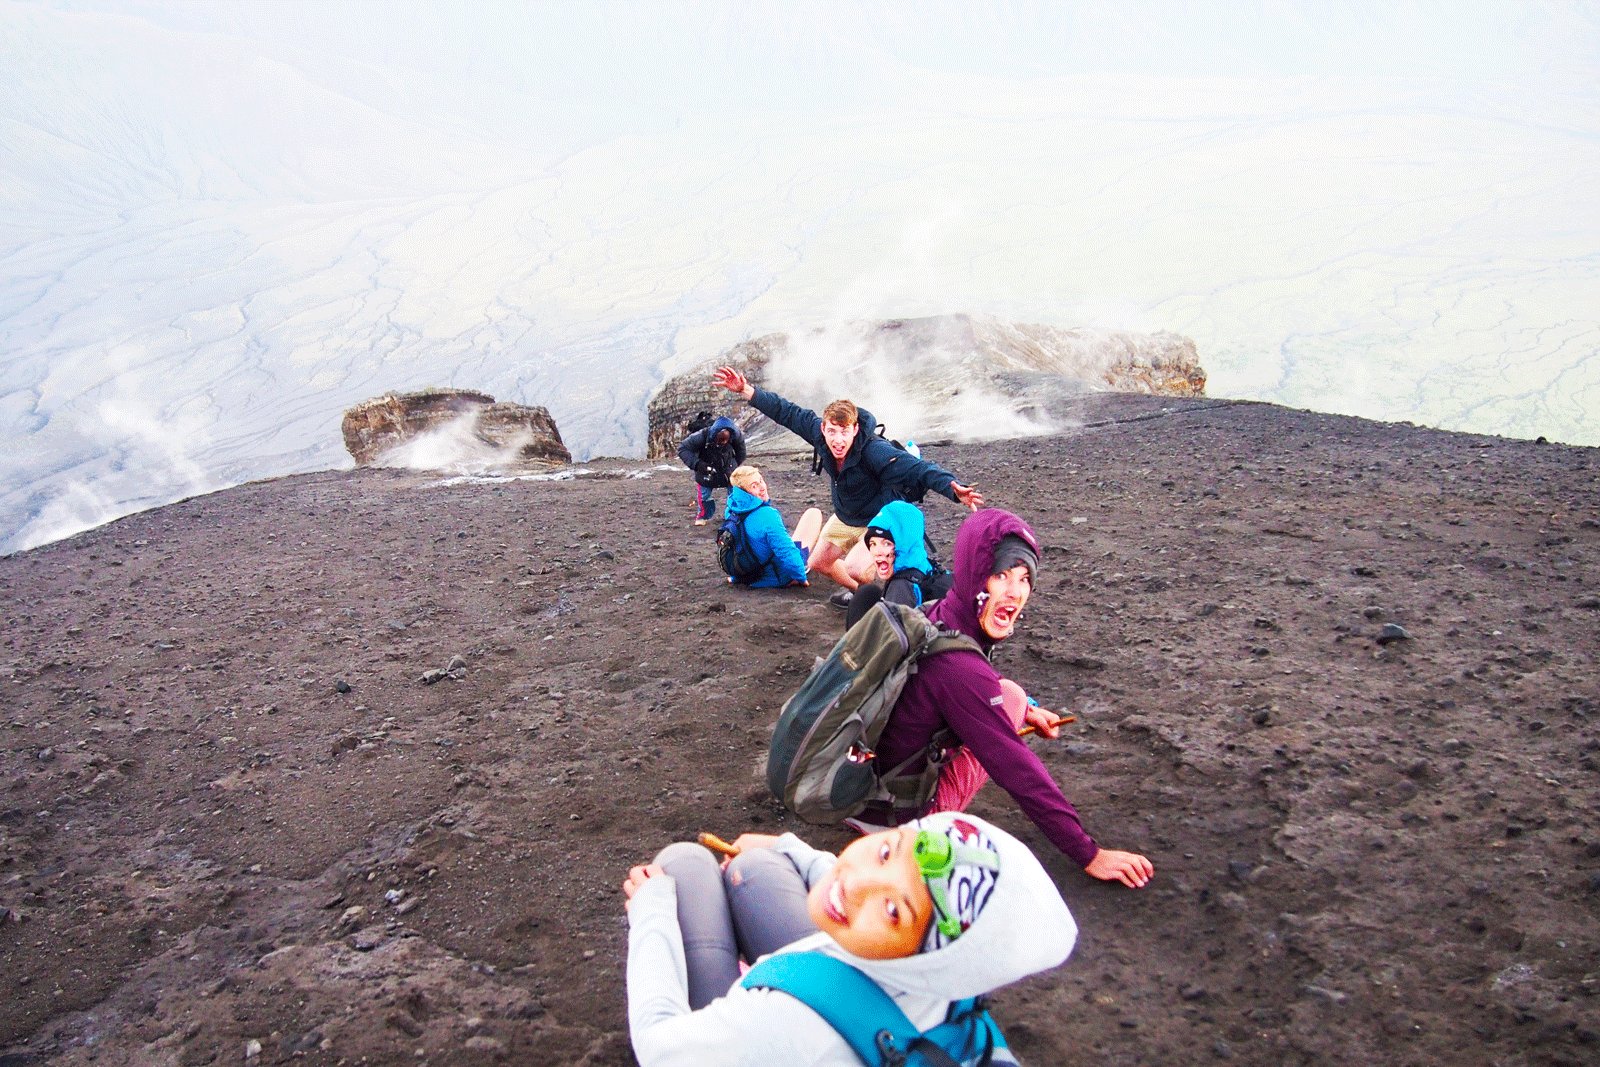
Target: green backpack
column 821, row 763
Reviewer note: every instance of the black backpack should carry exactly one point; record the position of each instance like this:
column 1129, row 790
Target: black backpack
column 933, row 584
column 735, row 555
column 699, row 422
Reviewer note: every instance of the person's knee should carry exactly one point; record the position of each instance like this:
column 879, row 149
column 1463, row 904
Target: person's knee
column 738, row 869
column 753, row 865
column 761, row 881
column 865, row 599
column 685, row 858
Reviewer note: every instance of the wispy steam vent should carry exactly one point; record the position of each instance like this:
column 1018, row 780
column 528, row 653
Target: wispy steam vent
column 960, row 377
column 452, row 430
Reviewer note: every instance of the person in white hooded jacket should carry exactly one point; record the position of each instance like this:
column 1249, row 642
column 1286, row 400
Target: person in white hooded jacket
column 927, row 944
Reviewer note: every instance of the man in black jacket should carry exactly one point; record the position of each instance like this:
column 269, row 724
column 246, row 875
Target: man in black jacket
column 866, row 471
column 712, row 453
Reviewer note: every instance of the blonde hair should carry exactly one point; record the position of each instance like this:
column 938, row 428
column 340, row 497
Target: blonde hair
column 744, row 476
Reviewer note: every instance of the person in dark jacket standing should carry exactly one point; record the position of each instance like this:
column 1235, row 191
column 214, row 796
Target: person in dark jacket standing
column 712, row 453
column 996, row 558
column 866, row 471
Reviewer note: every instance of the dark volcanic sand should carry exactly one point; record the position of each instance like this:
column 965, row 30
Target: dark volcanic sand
column 1364, row 853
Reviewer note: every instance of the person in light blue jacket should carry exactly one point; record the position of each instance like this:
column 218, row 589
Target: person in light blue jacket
column 904, row 574
column 782, row 554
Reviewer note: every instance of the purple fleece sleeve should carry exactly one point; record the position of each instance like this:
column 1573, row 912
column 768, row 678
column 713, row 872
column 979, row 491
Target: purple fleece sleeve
column 966, row 689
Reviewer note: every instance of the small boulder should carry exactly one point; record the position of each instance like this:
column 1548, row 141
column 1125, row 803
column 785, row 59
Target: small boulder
column 1391, row 633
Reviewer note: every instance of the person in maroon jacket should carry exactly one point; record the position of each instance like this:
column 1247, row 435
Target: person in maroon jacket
column 996, row 558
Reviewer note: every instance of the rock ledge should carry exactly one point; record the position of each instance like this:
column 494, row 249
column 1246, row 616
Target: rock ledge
column 470, row 425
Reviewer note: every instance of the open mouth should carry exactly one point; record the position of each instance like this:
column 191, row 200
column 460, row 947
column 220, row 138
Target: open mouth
column 1004, row 616
column 835, row 903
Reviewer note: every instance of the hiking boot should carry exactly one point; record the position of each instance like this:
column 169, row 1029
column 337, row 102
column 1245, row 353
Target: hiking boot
column 841, row 599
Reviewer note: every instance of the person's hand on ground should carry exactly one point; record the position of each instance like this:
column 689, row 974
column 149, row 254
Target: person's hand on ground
column 1129, row 868
column 967, row 495
column 637, row 876
column 734, row 382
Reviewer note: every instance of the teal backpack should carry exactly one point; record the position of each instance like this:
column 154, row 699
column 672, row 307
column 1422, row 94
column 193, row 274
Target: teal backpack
column 872, row 1024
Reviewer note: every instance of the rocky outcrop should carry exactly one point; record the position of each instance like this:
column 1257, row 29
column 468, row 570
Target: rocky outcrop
column 680, row 398
column 958, row 376
column 442, row 428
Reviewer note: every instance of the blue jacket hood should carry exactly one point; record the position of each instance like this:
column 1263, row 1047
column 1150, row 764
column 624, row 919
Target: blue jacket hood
column 976, row 541
column 742, row 500
column 906, row 525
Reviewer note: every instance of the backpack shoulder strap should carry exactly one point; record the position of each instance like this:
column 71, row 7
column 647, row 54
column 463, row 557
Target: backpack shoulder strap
column 950, row 641
column 878, row 453
column 866, row 1017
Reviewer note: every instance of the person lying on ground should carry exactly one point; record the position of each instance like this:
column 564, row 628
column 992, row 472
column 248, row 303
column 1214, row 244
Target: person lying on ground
column 712, row 454
column 781, row 555
column 902, row 571
column 995, row 561
column 865, row 470
column 933, row 912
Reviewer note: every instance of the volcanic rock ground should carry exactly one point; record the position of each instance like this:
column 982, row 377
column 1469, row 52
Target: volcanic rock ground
column 236, row 825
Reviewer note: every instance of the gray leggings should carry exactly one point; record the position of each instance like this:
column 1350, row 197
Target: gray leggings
column 757, row 904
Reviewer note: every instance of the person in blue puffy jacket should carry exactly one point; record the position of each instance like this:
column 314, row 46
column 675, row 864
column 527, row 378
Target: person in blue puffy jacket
column 782, row 554
column 904, row 574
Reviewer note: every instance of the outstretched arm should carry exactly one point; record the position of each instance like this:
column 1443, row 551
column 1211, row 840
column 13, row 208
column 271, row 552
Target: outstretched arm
column 970, row 705
column 803, row 422
column 734, row 382
column 658, row 978
column 909, row 473
column 967, row 495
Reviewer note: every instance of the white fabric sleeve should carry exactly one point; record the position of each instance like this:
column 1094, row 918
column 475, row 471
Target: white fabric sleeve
column 658, row 978
column 745, row 1028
